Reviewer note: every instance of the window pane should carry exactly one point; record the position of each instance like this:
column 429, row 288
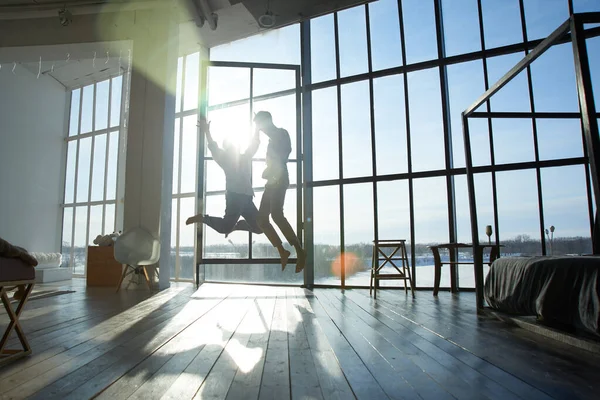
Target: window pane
column 179, row 89
column 356, row 130
column 566, row 208
column 326, row 228
column 325, row 134
column 553, row 77
column 518, row 216
column 190, row 91
column 465, row 85
column 385, row 34
column 99, row 165
column 83, row 169
column 419, row 31
column 431, row 224
column 216, row 245
column 515, row 95
column 279, row 46
column 352, row 35
column 80, row 240
column 70, row 172
column 176, row 151
column 253, row 273
column 322, row 47
column 188, row 155
column 390, row 125
column 111, row 172
column 261, row 247
column 267, row 81
column 215, row 177
column 283, row 110
column 485, row 216
column 187, row 236
column 544, row 16
column 67, row 234
column 115, row 101
column 393, row 211
column 174, row 231
column 101, row 121
column 479, row 132
column 233, row 123
column 358, row 232
column 501, row 23
column 585, row 6
column 559, row 138
column 426, row 127
column 95, row 223
column 227, row 84
column 593, row 48
column 461, row 26
column 87, row 108
column 513, row 140
column 109, row 219
column 74, row 113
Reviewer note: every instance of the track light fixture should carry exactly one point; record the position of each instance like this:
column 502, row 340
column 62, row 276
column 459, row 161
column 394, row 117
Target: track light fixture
column 65, row 17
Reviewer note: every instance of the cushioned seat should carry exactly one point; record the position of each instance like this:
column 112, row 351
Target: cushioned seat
column 15, row 269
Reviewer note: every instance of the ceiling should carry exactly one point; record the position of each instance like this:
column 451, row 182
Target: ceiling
column 237, row 19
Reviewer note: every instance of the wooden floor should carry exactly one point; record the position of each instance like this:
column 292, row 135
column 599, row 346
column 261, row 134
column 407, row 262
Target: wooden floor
column 248, row 342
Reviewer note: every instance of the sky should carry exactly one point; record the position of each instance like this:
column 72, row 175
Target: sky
column 553, row 78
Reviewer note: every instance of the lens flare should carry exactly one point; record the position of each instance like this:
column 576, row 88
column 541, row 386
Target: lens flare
column 350, row 261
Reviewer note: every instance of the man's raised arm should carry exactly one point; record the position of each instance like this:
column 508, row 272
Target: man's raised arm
column 253, row 145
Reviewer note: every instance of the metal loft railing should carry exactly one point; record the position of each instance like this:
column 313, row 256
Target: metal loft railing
column 573, row 27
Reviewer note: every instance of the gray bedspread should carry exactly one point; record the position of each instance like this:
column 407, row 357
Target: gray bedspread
column 563, row 290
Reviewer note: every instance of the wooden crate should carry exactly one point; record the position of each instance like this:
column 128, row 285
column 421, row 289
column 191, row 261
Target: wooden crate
column 102, row 268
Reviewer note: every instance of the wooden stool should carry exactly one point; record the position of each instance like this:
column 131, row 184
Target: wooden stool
column 7, row 355
column 379, row 254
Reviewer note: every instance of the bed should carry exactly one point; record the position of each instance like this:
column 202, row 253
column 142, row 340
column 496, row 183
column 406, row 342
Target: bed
column 560, row 290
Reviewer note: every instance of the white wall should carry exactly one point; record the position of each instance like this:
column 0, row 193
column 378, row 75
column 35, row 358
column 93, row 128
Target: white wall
column 32, row 157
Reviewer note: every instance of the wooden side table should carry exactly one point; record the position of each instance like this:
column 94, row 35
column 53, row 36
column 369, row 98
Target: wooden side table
column 102, row 268
column 477, row 260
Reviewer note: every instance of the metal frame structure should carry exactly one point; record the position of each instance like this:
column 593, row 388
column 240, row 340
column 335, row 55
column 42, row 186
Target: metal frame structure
column 201, row 171
column 93, row 134
column 571, row 30
column 448, row 172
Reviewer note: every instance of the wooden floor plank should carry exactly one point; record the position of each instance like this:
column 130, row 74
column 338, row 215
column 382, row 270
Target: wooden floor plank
column 78, row 357
column 450, row 373
column 399, row 324
column 541, row 363
column 396, row 374
column 131, row 343
column 363, row 384
column 245, row 342
column 303, row 374
column 147, row 367
column 246, row 383
column 332, row 382
column 275, row 382
column 236, row 356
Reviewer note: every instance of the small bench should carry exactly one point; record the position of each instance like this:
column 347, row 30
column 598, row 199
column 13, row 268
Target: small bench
column 15, row 273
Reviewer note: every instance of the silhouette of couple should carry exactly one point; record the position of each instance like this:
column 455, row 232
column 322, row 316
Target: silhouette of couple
column 239, row 193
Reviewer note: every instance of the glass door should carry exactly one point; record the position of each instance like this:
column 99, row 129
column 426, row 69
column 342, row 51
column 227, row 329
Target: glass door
column 235, row 91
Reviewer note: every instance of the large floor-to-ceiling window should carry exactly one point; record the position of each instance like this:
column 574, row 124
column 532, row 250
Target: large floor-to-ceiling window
column 90, row 200
column 387, row 82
